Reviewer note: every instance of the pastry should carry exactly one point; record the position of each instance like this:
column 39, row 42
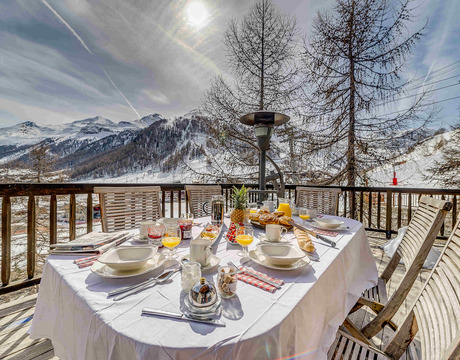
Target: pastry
column 304, row 240
column 285, row 220
column 278, row 213
column 265, row 219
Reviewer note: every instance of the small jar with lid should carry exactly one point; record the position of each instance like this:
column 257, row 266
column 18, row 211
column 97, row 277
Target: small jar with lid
column 203, row 294
column 226, row 281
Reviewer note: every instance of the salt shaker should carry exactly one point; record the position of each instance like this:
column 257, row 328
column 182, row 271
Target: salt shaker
column 191, row 274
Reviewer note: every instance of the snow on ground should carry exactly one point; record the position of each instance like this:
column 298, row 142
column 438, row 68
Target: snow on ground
column 414, row 172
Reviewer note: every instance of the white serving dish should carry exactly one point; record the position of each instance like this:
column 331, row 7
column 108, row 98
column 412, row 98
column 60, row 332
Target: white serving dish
column 281, row 254
column 261, row 259
column 128, row 258
column 328, row 223
column 106, row 272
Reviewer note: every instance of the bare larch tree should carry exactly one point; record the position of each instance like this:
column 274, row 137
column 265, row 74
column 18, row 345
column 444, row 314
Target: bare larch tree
column 354, row 59
column 261, row 53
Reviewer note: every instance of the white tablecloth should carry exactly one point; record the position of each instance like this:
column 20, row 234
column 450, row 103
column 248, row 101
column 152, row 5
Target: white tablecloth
column 299, row 319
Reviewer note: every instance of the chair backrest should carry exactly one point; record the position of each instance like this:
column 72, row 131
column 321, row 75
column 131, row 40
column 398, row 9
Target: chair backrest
column 324, row 200
column 435, row 314
column 124, row 208
column 198, row 195
column 413, row 249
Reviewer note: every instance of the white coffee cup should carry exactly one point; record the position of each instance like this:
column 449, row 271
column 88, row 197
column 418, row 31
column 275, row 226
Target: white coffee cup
column 274, row 232
column 200, row 251
column 143, row 231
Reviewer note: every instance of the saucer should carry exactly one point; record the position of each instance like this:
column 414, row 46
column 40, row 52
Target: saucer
column 263, row 239
column 214, row 261
column 106, row 272
column 202, row 313
column 138, row 239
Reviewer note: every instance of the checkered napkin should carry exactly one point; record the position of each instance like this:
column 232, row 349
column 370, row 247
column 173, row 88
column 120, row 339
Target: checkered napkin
column 247, row 278
column 324, row 232
column 87, row 261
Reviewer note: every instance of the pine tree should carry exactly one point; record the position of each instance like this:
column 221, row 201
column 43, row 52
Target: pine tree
column 354, row 61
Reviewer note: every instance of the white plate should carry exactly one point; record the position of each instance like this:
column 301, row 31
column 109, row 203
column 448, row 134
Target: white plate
column 217, row 235
column 107, row 272
column 342, row 227
column 260, row 259
column 215, row 260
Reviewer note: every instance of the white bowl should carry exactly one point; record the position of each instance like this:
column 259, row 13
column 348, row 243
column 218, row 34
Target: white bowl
column 281, row 254
column 329, row 223
column 128, row 258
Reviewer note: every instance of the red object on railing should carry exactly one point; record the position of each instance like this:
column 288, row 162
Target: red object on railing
column 395, row 180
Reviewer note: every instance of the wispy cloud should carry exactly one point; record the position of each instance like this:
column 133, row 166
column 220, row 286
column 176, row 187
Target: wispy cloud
column 88, row 49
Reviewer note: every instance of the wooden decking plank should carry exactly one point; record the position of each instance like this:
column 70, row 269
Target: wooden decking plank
column 18, row 305
column 40, row 351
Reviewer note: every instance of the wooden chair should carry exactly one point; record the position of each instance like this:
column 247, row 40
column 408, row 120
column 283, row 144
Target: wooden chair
column 435, row 315
column 198, row 195
column 325, row 201
column 124, row 208
column 413, row 249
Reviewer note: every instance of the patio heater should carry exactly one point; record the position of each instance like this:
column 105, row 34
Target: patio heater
column 263, row 122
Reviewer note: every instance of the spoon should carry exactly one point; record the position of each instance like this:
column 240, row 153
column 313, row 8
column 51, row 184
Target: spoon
column 159, row 280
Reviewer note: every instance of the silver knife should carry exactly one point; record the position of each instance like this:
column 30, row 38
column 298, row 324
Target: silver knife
column 180, row 316
column 311, row 232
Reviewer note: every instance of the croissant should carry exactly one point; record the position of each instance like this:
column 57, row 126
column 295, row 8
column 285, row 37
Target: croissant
column 304, row 240
column 278, row 213
column 285, row 220
column 265, row 219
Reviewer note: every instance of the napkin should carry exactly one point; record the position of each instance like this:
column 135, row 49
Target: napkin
column 247, row 278
column 87, row 261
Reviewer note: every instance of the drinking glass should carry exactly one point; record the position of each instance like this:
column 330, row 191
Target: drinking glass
column 190, row 275
column 245, row 238
column 253, row 208
column 187, row 216
column 155, row 233
column 304, row 214
column 171, row 239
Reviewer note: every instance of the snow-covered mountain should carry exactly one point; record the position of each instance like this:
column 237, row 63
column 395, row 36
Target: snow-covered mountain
column 64, row 139
column 412, row 167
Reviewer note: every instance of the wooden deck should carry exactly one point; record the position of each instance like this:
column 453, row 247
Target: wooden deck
column 16, row 316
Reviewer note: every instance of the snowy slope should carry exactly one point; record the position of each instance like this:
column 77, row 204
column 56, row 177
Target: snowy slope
column 413, row 173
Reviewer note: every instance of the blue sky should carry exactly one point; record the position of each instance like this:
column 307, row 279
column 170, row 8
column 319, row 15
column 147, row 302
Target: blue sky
column 63, row 60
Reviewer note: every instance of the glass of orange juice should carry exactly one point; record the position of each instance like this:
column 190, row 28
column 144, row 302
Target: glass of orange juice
column 171, row 239
column 245, row 238
column 304, row 214
column 253, row 208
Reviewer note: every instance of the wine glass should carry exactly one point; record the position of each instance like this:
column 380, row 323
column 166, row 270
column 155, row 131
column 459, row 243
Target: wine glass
column 304, row 214
column 187, row 216
column 244, row 238
column 171, row 239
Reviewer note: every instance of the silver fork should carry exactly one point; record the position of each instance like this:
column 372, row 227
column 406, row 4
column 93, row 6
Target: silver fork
column 278, row 286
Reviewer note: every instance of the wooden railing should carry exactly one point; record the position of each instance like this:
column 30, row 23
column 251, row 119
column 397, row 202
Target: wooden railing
column 379, row 209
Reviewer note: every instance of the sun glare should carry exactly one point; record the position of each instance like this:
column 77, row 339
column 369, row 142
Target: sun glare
column 197, row 13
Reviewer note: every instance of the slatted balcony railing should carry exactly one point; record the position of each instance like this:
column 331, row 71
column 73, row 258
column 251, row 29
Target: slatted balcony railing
column 31, row 209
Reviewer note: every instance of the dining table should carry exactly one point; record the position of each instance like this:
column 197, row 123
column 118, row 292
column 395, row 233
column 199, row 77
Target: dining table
column 297, row 321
